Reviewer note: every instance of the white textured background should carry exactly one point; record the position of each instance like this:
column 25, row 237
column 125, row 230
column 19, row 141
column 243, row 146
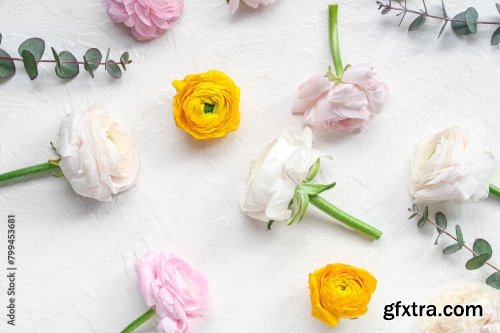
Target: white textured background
column 76, row 257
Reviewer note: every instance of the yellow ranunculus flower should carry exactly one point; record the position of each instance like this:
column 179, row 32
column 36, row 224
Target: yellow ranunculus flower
column 340, row 291
column 207, row 105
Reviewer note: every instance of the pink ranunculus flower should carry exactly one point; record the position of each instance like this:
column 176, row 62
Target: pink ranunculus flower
column 147, row 19
column 177, row 291
column 234, row 4
column 345, row 106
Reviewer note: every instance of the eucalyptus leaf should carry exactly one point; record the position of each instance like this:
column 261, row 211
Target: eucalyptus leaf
column 385, row 10
column 87, row 67
column 0, row 38
column 495, row 38
column 441, row 222
column 56, row 58
column 412, row 215
column 494, row 280
column 477, row 262
column 36, row 46
column 417, row 23
column 7, row 67
column 113, row 69
column 313, row 171
column 442, row 28
column 124, row 58
column 459, row 25
column 68, row 68
column 106, row 60
column 421, row 222
column 451, row 249
column 460, row 236
column 94, row 58
column 425, row 215
column 313, row 189
column 471, row 17
column 482, row 247
column 30, row 64
column 497, row 5
column 415, row 208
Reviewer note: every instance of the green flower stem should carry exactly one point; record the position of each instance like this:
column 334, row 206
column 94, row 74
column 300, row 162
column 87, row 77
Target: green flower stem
column 343, row 217
column 334, row 39
column 139, row 321
column 28, row 171
column 495, row 190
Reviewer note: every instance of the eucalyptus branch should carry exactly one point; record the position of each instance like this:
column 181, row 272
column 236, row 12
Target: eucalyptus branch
column 66, row 62
column 481, row 250
column 464, row 23
column 67, row 66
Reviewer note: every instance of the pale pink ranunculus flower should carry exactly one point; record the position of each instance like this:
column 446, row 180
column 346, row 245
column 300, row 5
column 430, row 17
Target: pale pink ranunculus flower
column 98, row 156
column 177, row 291
column 453, row 164
column 470, row 294
column 234, row 4
column 147, row 19
column 345, row 106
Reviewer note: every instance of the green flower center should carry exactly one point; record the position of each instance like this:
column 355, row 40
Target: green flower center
column 209, row 108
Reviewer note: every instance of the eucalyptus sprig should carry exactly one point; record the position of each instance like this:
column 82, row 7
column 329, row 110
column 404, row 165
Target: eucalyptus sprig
column 66, row 65
column 464, row 23
column 481, row 249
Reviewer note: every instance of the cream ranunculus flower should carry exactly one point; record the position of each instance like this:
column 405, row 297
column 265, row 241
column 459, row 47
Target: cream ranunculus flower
column 98, row 156
column 275, row 174
column 468, row 294
column 451, row 165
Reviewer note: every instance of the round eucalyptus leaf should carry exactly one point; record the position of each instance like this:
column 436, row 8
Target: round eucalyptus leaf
column 69, row 67
column 460, row 27
column 124, row 58
column 93, row 57
column 56, row 57
column 494, row 280
column 7, row 67
column 87, row 67
column 385, row 10
column 36, row 46
column 495, row 38
column 451, row 249
column 417, row 23
column 471, row 17
column 477, row 262
column 30, row 64
column 482, row 247
column 113, row 69
column 441, row 222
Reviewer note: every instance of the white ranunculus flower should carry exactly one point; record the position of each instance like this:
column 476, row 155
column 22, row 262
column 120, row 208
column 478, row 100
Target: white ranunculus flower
column 468, row 294
column 275, row 174
column 98, row 156
column 451, row 165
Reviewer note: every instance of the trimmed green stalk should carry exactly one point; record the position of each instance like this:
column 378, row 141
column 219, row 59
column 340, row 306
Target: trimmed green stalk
column 28, row 171
column 334, row 39
column 139, row 321
column 495, row 190
column 343, row 217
